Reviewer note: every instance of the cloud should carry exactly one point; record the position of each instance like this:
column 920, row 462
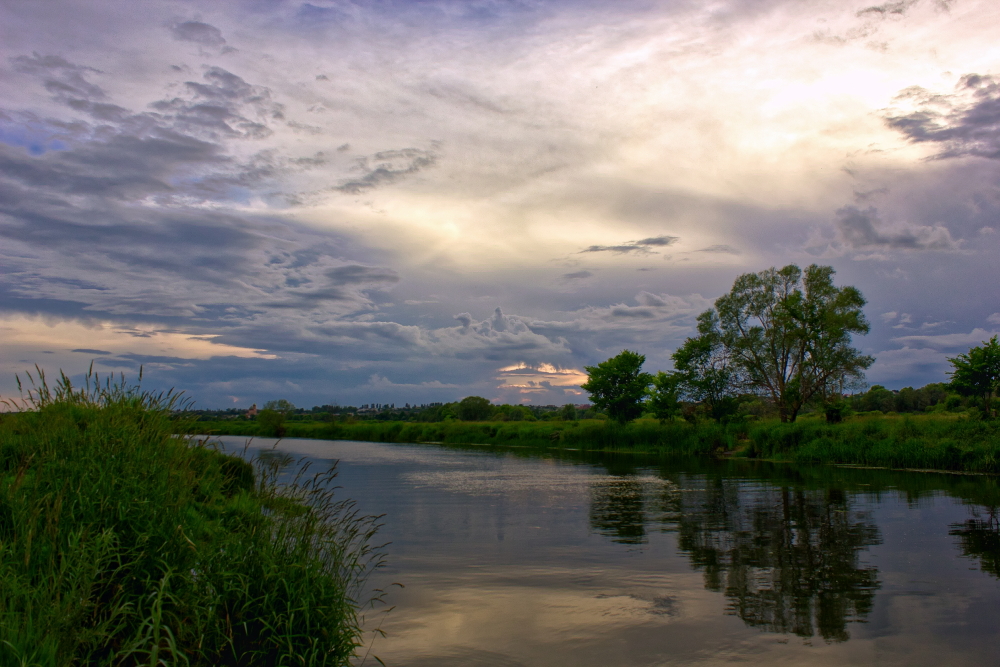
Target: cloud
column 994, row 318
column 499, row 337
column 577, row 275
column 200, row 33
column 963, row 123
column 529, row 379
column 387, row 167
column 376, row 381
column 722, row 249
column 887, row 9
column 355, row 274
column 953, row 342
column 175, row 153
column 224, row 105
column 858, row 230
column 641, row 246
column 63, row 79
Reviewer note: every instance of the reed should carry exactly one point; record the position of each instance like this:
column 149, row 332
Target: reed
column 122, row 544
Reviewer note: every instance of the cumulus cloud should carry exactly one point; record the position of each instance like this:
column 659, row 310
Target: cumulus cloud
column 640, row 247
column 861, row 229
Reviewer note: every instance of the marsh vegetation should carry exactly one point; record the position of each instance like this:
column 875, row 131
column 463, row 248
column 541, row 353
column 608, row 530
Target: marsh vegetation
column 123, row 544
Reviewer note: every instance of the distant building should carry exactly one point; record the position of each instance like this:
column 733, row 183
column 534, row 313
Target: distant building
column 252, row 412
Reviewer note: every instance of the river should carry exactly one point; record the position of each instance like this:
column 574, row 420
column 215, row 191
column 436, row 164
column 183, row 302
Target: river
column 511, row 558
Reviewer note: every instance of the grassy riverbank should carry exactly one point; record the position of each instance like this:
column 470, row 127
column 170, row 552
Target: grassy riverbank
column 123, row 544
column 941, row 442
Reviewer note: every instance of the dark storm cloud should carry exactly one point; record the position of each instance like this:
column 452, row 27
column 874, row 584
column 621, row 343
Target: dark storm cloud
column 89, row 351
column 966, row 122
column 387, row 167
column 859, row 231
column 200, row 33
column 640, row 246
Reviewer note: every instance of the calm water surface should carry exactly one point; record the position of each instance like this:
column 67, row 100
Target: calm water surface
column 511, row 559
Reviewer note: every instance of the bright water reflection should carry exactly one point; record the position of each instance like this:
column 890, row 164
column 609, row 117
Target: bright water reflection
column 513, row 559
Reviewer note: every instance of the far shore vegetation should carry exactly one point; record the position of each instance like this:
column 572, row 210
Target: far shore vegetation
column 771, row 374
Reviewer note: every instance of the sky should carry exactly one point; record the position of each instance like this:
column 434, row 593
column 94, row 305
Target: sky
column 411, row 201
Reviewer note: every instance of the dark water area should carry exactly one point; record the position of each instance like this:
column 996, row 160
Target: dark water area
column 512, row 558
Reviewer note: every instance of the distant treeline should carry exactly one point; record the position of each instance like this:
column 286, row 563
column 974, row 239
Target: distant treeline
column 471, row 408
column 935, row 397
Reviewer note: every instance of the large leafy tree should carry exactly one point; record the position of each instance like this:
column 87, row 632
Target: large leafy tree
column 977, row 373
column 618, row 385
column 789, row 334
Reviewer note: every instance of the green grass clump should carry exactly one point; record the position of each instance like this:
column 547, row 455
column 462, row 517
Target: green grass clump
column 121, row 544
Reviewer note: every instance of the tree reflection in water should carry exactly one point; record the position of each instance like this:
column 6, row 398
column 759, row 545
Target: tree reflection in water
column 979, row 538
column 788, row 559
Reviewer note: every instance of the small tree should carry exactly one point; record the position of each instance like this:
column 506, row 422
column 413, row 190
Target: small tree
column 977, row 373
column 664, row 398
column 271, row 419
column 704, row 372
column 568, row 412
column 473, row 409
column 271, row 423
column 618, row 385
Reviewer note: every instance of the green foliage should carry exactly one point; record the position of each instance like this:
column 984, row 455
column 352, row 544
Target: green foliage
column 943, row 442
column 977, row 373
column 281, row 406
column 618, row 385
column 473, row 409
column 568, row 412
column 271, row 423
column 789, row 334
column 664, row 402
column 704, row 372
column 121, row 544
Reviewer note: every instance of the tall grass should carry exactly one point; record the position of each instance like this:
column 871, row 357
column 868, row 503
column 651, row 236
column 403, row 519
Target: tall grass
column 917, row 441
column 121, row 544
